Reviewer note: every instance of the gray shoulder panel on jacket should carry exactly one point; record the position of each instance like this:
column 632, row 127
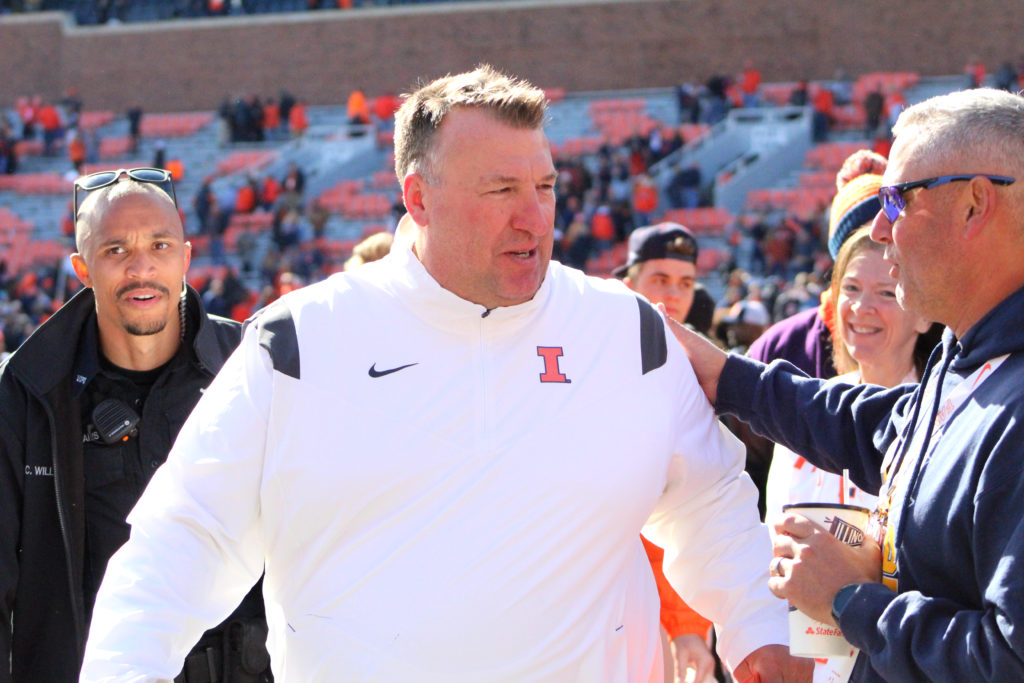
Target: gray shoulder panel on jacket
column 275, row 329
column 653, row 349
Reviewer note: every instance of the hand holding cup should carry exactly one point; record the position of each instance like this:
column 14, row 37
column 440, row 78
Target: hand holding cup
column 812, row 564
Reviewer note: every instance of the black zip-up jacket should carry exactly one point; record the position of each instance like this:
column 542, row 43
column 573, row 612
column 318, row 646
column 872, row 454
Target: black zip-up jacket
column 42, row 490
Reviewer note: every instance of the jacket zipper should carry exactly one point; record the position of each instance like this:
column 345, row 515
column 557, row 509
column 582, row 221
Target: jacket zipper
column 64, row 533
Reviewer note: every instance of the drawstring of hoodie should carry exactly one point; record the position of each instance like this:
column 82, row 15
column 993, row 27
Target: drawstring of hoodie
column 909, row 432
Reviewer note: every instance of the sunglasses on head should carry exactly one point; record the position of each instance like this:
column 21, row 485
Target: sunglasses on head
column 100, row 179
column 891, row 196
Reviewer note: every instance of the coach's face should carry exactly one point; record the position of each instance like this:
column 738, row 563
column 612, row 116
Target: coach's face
column 921, row 245
column 486, row 215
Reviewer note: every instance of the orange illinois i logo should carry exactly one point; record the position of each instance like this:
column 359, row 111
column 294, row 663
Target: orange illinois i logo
column 551, row 373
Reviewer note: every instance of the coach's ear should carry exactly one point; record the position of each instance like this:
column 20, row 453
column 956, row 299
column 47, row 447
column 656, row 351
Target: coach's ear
column 416, row 195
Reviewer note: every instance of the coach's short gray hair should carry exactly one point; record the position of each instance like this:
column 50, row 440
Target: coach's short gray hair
column 512, row 101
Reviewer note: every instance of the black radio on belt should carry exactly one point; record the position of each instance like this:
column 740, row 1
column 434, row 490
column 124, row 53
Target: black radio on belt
column 113, row 421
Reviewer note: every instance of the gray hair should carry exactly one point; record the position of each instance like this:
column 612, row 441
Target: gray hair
column 980, row 126
column 514, row 102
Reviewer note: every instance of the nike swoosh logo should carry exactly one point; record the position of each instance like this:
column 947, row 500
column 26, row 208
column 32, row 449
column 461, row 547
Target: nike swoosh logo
column 374, row 372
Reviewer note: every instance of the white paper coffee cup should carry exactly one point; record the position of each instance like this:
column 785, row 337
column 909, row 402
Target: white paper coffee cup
column 810, row 637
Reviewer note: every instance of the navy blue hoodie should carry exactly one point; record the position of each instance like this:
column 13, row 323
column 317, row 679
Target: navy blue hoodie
column 958, row 614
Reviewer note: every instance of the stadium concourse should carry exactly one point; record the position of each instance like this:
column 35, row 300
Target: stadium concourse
column 751, row 173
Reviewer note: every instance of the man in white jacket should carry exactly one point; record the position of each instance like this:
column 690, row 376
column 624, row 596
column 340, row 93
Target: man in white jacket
column 443, row 458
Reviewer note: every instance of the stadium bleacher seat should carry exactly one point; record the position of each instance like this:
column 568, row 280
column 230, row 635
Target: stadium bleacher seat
column 705, row 220
column 710, row 259
column 577, row 146
column 602, row 264
column 24, row 148
column 35, row 183
column 554, row 94
column 850, row 115
column 691, row 132
column 113, row 147
column 245, row 159
column 384, row 180
column 887, row 81
column 174, row 124
column 777, row 93
column 830, row 156
column 95, row 119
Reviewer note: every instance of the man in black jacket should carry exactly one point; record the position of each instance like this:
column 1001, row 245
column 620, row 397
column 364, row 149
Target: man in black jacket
column 89, row 407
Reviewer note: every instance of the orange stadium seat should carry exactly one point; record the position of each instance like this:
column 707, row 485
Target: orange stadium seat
column 115, row 147
column 27, row 148
column 95, row 119
column 256, row 221
column 554, row 94
column 850, row 115
column 35, row 183
column 817, row 179
column 200, row 244
column 777, row 93
column 709, row 259
column 830, row 156
column 338, row 249
column 251, row 159
column 174, row 125
column 12, row 221
column 607, row 260
column 384, row 180
column 758, row 199
column 42, row 251
column 621, row 105
column 886, row 81
column 708, row 220
column 690, row 132
column 577, row 146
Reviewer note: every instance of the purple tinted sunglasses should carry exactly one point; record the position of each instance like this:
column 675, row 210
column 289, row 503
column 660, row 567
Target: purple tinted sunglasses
column 891, row 196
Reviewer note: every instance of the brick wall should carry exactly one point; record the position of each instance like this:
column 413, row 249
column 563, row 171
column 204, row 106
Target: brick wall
column 575, row 44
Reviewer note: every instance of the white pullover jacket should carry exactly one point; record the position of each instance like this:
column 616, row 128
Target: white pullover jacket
column 442, row 493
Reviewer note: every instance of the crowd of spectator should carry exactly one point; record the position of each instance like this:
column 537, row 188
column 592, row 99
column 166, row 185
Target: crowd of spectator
column 54, row 123
column 256, row 119
column 99, row 12
column 775, row 264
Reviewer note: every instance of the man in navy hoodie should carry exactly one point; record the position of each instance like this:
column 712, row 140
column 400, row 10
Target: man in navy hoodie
column 940, row 595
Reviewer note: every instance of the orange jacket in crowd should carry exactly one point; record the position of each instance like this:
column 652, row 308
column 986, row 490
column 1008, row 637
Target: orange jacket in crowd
column 823, row 101
column 271, row 190
column 358, row 109
column 385, row 106
column 76, row 150
column 297, row 121
column 645, row 196
column 750, row 81
column 49, row 119
column 677, row 617
column 245, row 200
column 602, row 227
column 271, row 116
